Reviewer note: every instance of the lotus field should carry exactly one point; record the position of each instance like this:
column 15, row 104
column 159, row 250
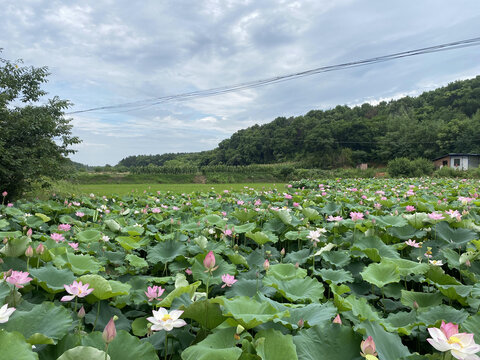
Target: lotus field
column 338, row 270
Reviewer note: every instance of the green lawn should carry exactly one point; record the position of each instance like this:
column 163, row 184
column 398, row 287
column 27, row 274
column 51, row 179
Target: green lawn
column 121, row 189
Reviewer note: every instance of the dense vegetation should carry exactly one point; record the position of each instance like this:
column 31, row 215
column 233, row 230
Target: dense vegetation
column 436, row 122
column 387, row 259
column 34, row 137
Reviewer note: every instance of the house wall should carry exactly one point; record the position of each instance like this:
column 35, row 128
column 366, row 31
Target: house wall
column 473, row 162
column 439, row 163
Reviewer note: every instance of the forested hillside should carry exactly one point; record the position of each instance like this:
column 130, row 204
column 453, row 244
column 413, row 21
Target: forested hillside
column 436, row 122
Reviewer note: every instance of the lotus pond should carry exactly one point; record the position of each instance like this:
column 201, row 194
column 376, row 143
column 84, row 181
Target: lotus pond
column 337, row 270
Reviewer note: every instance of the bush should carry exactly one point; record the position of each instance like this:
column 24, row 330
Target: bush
column 404, row 167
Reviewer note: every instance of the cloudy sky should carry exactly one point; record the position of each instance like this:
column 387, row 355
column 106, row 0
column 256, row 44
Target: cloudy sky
column 107, row 52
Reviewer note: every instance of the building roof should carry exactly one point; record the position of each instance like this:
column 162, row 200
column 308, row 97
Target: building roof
column 455, row 154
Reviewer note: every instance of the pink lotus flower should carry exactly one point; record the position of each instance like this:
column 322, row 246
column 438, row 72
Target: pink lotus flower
column 337, row 320
column 162, row 320
column 79, row 214
column 18, row 278
column 76, row 289
column 410, row 208
column 4, row 193
column 209, row 262
column 334, row 218
column 5, row 313
column 74, row 246
column 154, row 293
column 461, row 345
column 356, row 216
column 228, row 232
column 435, row 216
column 188, row 271
column 413, row 243
column 368, row 347
column 229, row 280
column 64, row 227
column 57, row 237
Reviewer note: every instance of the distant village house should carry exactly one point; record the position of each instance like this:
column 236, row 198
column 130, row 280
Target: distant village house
column 458, row 161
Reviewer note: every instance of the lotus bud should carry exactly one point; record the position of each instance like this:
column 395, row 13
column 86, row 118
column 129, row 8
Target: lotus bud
column 81, row 313
column 368, row 347
column 29, row 251
column 282, row 252
column 301, row 323
column 297, row 265
column 240, row 329
column 266, row 265
column 5, row 241
column 40, row 249
column 29, row 233
column 110, row 331
column 337, row 320
column 209, row 262
column 415, row 305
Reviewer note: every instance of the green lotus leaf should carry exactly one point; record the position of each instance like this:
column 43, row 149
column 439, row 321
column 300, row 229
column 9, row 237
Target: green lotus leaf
column 453, row 237
column 311, row 214
column 407, row 267
column 52, row 279
column 245, row 228
column 136, row 261
column 217, row 346
column 14, row 347
column 105, row 289
column 456, row 292
column 423, row 300
column 34, row 222
column 224, row 267
column 82, row 353
column 437, row 275
column 105, row 313
column 214, row 219
column 434, row 315
column 113, row 225
column 249, row 312
column 297, row 290
column 388, row 345
column 16, row 245
column 406, row 232
column 285, row 216
column 471, row 325
column 297, row 235
column 417, row 220
column 389, row 221
column 131, row 242
column 244, row 216
column 123, row 347
column 381, row 274
column 166, row 252
column 42, row 324
column 192, row 227
column 261, row 237
column 377, row 247
column 402, row 322
column 328, row 342
column 272, row 345
column 190, row 289
column 286, row 272
column 81, row 264
column 362, row 309
column 207, row 314
column 134, row 230
column 90, row 235
column 4, row 291
column 335, row 276
column 44, row 217
column 66, row 219
column 338, row 258
column 4, row 223
column 311, row 314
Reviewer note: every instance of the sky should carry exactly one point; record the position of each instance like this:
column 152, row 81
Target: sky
column 109, row 52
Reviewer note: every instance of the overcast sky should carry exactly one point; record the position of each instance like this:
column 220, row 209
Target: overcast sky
column 103, row 53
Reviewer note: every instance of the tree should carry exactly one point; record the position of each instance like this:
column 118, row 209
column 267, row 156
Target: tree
column 34, row 136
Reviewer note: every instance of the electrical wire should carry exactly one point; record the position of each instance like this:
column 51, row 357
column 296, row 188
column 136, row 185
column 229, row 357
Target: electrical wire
column 141, row 104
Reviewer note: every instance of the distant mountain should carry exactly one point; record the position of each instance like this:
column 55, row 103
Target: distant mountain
column 434, row 123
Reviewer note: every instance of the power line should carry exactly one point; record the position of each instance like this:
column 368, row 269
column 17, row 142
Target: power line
column 141, row 104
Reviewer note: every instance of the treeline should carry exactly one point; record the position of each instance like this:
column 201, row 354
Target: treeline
column 435, row 123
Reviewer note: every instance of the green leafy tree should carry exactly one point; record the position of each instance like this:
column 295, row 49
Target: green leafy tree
column 34, row 134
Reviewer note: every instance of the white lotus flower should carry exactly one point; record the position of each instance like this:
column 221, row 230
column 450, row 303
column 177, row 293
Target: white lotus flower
column 162, row 320
column 5, row 313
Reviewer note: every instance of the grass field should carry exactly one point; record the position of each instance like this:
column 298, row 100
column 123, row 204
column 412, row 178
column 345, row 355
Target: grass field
column 122, row 189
